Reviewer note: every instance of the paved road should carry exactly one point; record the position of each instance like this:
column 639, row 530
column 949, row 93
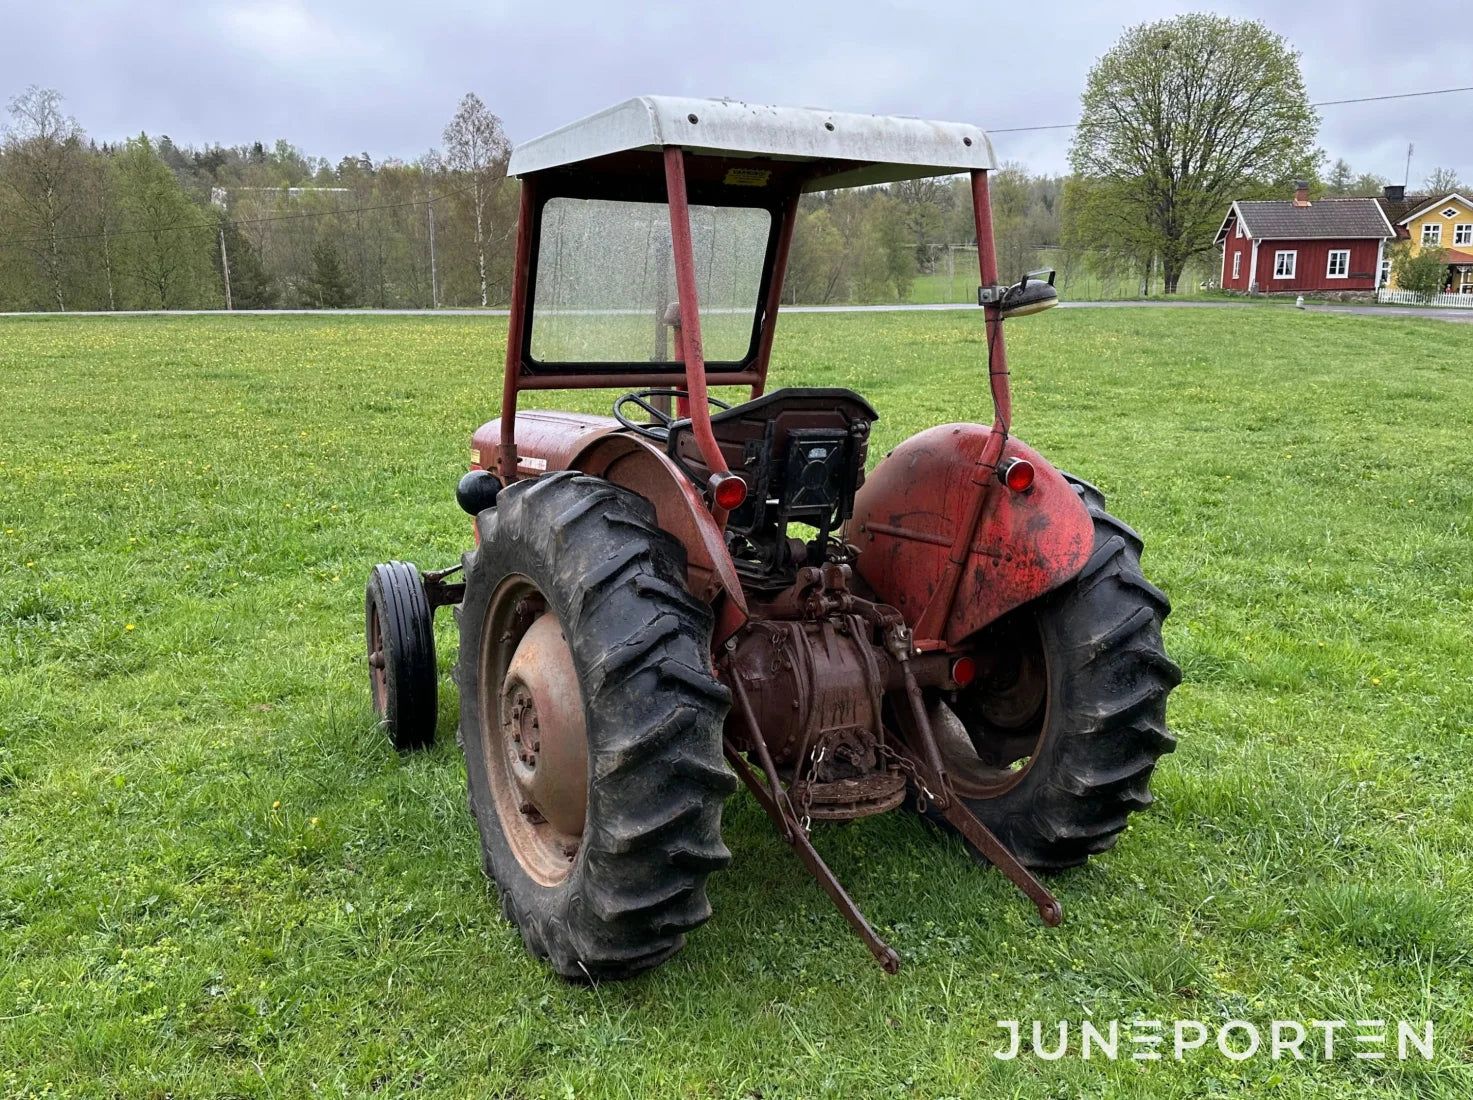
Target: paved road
column 1464, row 316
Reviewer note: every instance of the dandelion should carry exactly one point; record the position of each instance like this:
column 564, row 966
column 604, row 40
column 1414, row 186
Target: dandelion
column 1376, row 680
column 314, row 823
column 30, row 565
column 276, row 805
column 128, row 626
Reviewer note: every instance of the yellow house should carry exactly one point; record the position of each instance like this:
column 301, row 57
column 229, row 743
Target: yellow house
column 1445, row 223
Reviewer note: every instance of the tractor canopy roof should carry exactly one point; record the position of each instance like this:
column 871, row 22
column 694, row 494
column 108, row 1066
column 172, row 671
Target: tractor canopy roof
column 825, row 149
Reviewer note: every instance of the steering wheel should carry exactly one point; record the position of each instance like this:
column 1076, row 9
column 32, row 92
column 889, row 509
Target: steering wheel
column 659, row 431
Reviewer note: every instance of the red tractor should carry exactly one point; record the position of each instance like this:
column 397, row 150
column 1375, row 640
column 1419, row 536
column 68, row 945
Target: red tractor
column 669, row 595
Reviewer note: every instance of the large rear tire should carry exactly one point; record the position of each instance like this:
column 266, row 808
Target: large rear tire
column 1053, row 746
column 611, row 891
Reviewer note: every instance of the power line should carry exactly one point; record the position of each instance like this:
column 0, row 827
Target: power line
column 1325, row 103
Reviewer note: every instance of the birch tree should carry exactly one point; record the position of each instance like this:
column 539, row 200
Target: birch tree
column 476, row 146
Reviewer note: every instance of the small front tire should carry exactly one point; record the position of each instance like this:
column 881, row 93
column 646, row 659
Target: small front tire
column 400, row 633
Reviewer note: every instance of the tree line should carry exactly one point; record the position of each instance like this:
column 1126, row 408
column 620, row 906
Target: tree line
column 1181, row 117
column 147, row 224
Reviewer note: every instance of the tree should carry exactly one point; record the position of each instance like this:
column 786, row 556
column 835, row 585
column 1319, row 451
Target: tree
column 43, row 154
column 1442, row 181
column 1179, row 119
column 1341, row 179
column 476, row 145
column 1422, row 272
column 816, row 260
column 328, row 287
column 251, row 287
column 163, row 240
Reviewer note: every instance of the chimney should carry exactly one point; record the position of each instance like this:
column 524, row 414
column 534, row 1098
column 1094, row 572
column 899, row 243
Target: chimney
column 1301, row 192
column 1394, row 192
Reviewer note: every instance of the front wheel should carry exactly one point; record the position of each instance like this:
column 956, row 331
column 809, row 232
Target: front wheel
column 1053, row 744
column 591, row 725
column 400, row 635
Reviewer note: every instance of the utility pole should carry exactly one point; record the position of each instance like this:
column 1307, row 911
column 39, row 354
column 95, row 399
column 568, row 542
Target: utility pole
column 1407, row 179
column 434, row 285
column 225, row 267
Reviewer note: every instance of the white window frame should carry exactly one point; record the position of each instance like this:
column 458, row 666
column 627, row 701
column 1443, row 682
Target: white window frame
column 1385, row 273
column 1344, row 272
column 1463, row 233
column 1237, row 265
column 1431, row 233
column 1279, row 265
column 1450, row 212
column 1238, row 229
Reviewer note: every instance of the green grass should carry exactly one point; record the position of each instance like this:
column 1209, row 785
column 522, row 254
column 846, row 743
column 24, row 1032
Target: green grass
column 957, row 281
column 216, row 879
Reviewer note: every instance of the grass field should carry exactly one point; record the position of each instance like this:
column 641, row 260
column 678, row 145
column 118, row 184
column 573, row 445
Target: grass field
column 956, row 281
column 216, row 879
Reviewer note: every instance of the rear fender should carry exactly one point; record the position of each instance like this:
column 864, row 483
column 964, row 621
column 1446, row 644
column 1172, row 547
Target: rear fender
column 639, row 465
column 548, row 441
column 905, row 519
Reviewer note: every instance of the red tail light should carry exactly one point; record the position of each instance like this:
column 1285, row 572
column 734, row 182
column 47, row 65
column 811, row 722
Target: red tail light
column 963, row 671
column 1016, row 474
column 728, row 491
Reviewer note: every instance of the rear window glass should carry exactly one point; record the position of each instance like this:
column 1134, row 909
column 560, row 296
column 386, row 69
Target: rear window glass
column 606, row 278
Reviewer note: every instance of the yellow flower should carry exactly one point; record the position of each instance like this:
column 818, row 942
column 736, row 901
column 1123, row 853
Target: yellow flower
column 276, row 805
column 128, row 627
column 314, row 823
column 1375, row 680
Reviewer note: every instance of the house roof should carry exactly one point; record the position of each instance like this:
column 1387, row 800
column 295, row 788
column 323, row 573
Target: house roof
column 1276, row 219
column 1427, row 204
column 1396, row 211
column 1453, row 256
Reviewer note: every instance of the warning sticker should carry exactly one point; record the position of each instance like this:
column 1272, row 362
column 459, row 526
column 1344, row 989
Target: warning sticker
column 527, row 462
column 747, row 177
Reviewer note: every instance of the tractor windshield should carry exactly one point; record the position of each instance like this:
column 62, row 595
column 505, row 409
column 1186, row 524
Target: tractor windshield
column 606, row 281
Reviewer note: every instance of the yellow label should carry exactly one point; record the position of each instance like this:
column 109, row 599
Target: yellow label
column 747, row 177
column 475, row 456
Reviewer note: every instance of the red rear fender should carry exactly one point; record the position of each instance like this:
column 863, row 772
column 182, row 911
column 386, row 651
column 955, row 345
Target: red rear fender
column 905, row 519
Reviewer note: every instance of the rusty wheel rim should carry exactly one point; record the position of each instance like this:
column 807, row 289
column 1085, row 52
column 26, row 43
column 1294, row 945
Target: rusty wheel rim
column 1006, row 709
column 377, row 671
column 534, row 742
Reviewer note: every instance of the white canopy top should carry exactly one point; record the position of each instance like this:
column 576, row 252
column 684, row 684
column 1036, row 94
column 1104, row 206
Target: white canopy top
column 886, row 148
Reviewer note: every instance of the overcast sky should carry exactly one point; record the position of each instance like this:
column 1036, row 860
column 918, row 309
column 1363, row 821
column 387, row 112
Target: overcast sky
column 342, row 76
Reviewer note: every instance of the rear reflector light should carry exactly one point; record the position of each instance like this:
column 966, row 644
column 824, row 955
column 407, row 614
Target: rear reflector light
column 728, row 491
column 1016, row 474
column 963, row 671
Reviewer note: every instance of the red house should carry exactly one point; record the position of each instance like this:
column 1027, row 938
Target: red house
column 1302, row 247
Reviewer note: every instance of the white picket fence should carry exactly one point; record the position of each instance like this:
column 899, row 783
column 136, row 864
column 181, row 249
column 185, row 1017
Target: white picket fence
column 1412, row 298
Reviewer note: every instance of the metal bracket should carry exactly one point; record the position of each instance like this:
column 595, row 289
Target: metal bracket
column 437, row 592
column 792, row 831
column 927, row 765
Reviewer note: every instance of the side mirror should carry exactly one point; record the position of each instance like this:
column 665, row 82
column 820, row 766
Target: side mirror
column 1031, row 294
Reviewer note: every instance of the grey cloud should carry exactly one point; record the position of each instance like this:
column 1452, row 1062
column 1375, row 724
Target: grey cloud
column 336, row 77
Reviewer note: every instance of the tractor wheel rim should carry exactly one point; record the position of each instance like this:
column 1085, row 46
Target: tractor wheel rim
column 1018, row 713
column 377, row 672
column 534, row 739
